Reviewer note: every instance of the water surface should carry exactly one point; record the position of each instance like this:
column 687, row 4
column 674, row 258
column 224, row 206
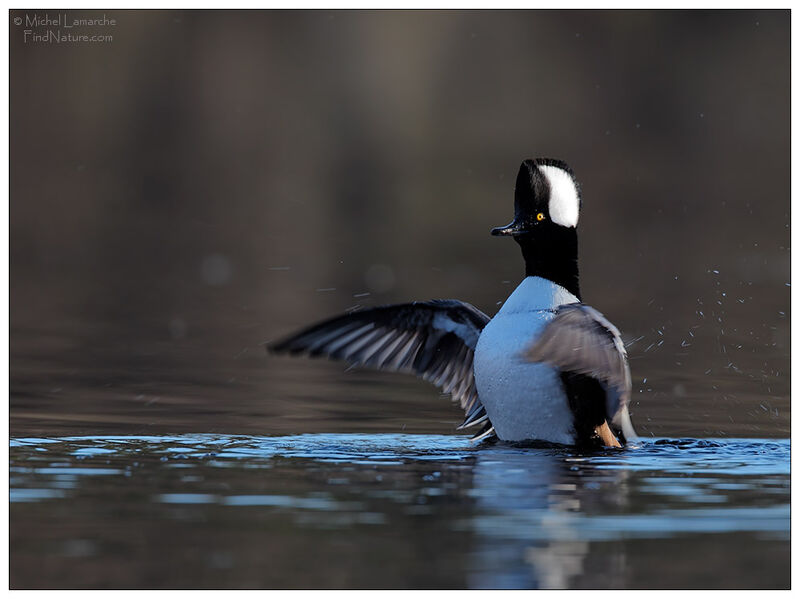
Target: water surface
column 395, row 511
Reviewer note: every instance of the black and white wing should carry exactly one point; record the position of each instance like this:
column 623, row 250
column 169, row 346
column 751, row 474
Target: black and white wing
column 581, row 340
column 434, row 340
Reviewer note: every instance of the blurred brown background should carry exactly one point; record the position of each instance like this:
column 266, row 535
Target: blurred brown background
column 207, row 181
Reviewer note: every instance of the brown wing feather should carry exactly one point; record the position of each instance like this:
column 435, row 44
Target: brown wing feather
column 580, row 339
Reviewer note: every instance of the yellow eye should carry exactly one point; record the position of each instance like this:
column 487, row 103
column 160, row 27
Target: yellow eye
column 540, row 216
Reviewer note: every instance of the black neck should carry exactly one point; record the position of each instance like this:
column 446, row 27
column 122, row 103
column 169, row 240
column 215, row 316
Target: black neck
column 555, row 259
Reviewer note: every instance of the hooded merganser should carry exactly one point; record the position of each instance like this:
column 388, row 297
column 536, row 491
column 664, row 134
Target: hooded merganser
column 546, row 368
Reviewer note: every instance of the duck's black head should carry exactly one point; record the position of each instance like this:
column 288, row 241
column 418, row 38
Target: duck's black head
column 546, row 209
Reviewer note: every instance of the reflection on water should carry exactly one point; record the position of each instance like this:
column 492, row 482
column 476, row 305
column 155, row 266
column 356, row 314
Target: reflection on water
column 395, row 511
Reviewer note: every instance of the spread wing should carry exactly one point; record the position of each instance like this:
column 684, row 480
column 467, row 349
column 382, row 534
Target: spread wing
column 434, row 340
column 581, row 340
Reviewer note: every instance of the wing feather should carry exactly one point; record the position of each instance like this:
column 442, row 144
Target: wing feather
column 435, row 340
column 580, row 339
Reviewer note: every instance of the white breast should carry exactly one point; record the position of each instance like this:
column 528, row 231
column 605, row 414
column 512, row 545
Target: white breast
column 524, row 401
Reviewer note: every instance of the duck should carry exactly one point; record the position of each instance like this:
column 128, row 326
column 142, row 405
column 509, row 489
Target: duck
column 546, row 369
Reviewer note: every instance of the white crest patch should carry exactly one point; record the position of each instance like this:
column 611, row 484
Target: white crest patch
column 564, row 203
